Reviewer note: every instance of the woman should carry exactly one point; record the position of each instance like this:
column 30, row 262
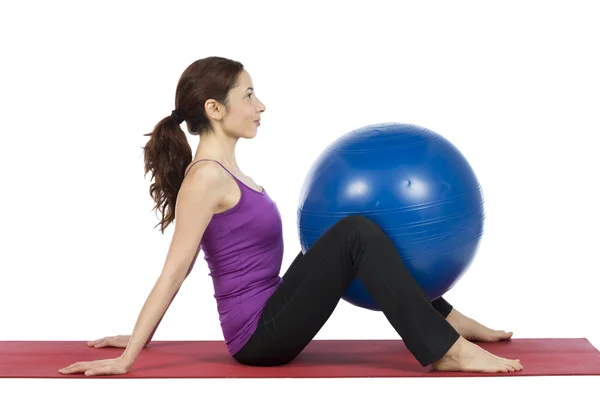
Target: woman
column 267, row 319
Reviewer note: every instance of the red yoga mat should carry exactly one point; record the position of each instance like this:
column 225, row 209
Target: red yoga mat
column 320, row 359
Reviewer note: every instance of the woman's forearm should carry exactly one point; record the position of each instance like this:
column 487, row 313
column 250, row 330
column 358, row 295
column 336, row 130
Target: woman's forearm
column 152, row 312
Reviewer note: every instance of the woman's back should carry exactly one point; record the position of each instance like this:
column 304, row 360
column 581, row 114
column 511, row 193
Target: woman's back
column 243, row 247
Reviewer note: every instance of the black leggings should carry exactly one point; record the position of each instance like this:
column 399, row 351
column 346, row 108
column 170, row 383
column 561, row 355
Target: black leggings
column 354, row 247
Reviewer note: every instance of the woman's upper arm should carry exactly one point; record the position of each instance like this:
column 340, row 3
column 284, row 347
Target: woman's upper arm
column 197, row 201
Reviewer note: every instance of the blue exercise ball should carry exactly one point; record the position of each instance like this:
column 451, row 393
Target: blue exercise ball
column 411, row 181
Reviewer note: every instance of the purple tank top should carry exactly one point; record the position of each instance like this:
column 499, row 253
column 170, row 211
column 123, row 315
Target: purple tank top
column 243, row 247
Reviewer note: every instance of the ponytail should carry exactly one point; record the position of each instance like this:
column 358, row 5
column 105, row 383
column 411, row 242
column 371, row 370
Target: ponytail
column 166, row 156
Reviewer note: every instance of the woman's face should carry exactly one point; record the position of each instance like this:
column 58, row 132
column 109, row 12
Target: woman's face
column 241, row 120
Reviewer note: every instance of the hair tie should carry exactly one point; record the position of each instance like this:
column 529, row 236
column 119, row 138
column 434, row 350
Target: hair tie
column 177, row 117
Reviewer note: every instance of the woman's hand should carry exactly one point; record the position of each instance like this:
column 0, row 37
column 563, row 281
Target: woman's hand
column 111, row 341
column 114, row 366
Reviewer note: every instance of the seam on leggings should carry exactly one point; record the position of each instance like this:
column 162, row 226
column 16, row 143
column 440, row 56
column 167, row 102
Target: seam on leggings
column 429, row 347
column 299, row 288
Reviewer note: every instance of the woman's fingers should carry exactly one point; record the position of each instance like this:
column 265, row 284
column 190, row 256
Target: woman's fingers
column 74, row 368
column 100, row 367
column 106, row 370
column 101, row 342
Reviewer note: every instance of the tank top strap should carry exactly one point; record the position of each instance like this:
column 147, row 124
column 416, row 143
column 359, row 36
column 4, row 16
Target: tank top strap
column 208, row 159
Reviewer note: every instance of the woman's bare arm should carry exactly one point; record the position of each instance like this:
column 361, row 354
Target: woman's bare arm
column 197, row 201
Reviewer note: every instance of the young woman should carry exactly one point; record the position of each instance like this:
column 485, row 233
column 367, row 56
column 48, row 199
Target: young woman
column 267, row 319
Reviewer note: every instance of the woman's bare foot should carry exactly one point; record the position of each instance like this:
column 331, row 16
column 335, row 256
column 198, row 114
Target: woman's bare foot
column 465, row 356
column 473, row 330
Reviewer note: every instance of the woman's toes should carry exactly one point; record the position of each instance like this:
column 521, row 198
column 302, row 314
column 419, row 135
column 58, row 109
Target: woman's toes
column 516, row 365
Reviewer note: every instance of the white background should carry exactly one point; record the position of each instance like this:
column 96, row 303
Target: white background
column 513, row 84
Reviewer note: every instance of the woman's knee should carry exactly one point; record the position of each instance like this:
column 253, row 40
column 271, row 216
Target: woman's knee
column 358, row 226
column 360, row 223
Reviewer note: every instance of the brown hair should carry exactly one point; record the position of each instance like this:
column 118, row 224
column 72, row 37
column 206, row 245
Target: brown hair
column 168, row 152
